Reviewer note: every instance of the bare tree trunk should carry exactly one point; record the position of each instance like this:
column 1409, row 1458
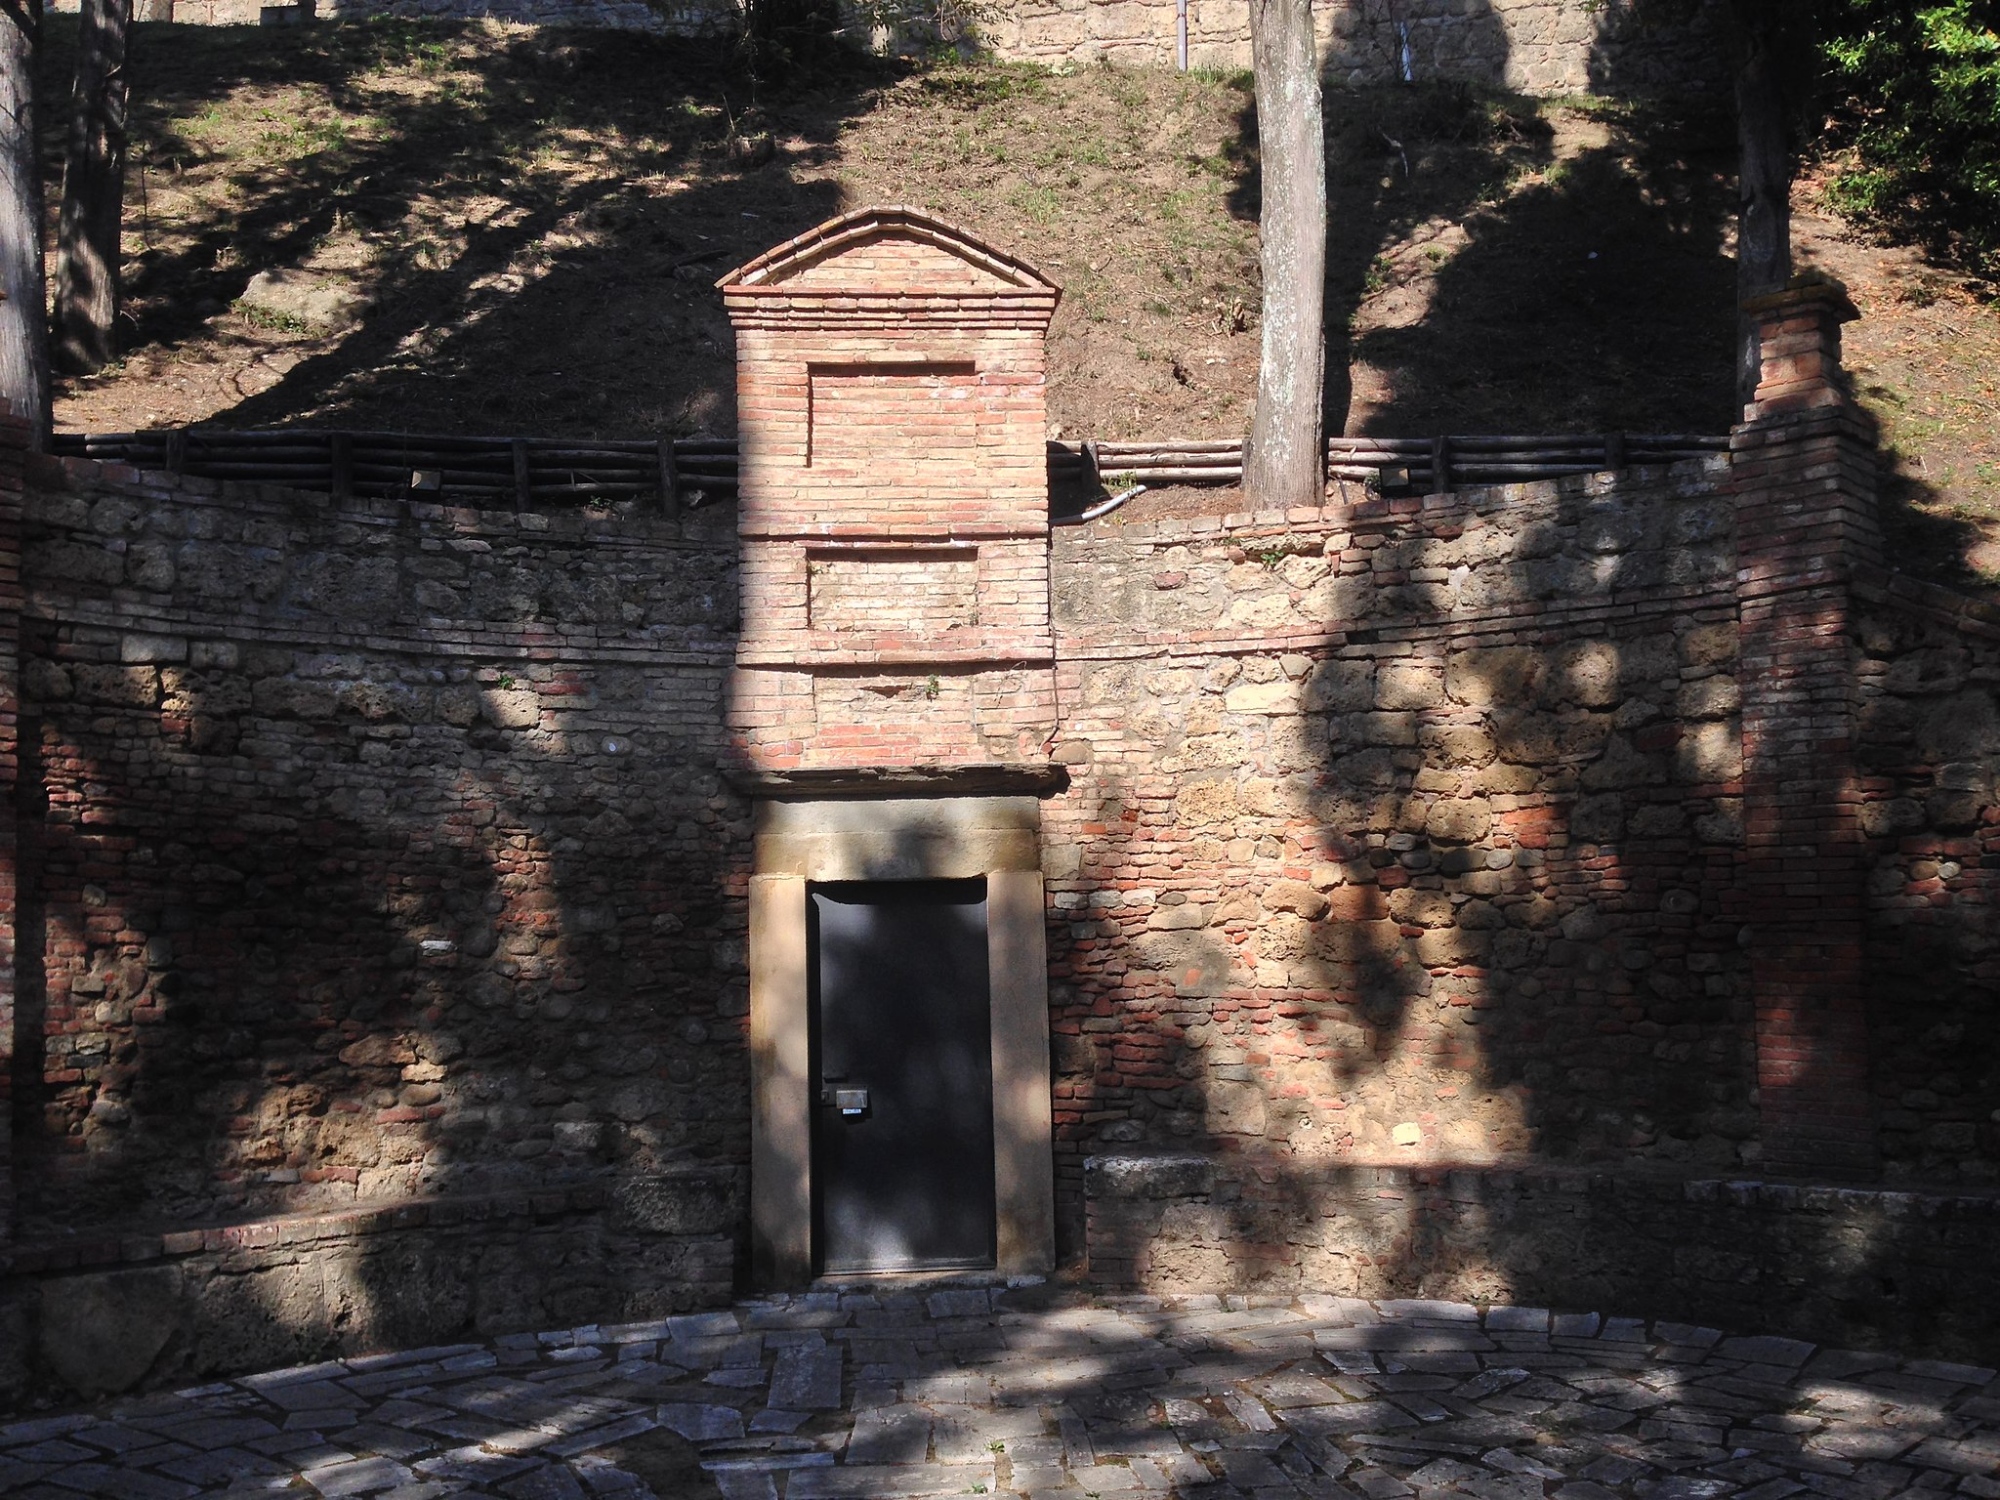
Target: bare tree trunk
column 1285, row 459
column 24, row 331
column 1764, row 179
column 88, row 252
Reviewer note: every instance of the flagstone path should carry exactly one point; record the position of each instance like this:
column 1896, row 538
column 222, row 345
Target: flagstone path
column 1039, row 1393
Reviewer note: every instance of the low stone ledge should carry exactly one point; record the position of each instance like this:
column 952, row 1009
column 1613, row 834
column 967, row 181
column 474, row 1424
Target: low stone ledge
column 71, row 1251
column 1866, row 1266
column 108, row 1313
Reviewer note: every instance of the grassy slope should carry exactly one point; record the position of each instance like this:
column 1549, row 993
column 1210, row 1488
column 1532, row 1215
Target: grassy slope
column 537, row 219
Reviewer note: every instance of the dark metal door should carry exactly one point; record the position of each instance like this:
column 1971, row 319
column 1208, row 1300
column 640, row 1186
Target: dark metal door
column 902, row 1045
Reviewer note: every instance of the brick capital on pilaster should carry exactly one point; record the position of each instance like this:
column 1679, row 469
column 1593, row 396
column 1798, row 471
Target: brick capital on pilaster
column 1798, row 338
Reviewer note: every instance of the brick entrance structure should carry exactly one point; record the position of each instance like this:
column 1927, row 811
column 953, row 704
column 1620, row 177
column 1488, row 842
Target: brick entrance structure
column 894, row 691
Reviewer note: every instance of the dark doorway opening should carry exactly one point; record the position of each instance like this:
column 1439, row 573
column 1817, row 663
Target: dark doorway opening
column 902, row 1055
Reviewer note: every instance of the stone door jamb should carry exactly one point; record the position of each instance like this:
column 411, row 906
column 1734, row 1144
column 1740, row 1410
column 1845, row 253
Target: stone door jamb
column 799, row 839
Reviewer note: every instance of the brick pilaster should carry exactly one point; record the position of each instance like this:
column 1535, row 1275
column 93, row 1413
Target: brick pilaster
column 15, row 437
column 1804, row 466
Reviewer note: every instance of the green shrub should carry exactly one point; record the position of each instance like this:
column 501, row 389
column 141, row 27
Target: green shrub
column 1917, row 110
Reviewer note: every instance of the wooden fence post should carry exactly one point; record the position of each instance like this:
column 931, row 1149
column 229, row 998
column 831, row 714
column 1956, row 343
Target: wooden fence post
column 670, row 476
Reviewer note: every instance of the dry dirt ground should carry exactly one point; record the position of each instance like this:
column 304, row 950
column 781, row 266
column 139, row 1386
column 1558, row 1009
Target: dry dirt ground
column 533, row 221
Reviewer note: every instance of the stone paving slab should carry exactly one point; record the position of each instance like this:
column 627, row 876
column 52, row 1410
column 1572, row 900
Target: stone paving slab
column 901, row 1395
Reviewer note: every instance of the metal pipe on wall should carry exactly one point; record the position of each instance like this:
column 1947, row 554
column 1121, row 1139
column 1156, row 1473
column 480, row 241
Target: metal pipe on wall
column 1180, row 33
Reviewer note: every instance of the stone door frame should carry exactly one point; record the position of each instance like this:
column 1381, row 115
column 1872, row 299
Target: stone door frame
column 800, row 838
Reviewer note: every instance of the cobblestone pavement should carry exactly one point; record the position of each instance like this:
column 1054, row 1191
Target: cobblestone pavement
column 1035, row 1392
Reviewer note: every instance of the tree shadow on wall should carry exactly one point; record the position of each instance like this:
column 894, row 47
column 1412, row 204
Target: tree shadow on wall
column 1480, row 817
column 502, row 282
column 1652, row 49
column 1412, row 818
column 1926, row 743
column 334, row 927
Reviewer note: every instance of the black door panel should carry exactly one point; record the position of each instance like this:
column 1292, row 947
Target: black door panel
column 902, row 1044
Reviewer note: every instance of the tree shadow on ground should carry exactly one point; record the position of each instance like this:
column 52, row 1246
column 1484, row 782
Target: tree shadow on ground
column 1596, row 295
column 1920, row 534
column 503, row 283
column 1487, row 273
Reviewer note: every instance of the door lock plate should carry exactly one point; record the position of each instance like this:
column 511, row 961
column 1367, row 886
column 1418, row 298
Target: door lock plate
column 852, row 1103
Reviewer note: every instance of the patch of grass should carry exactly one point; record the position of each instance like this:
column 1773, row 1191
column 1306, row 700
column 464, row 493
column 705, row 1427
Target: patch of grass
column 299, row 138
column 259, row 316
column 1242, row 80
column 1037, row 201
column 966, row 85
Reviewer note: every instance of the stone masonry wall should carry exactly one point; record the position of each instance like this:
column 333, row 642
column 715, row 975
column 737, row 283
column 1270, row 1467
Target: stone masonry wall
column 672, row 17
column 1405, row 833
column 97, row 1316
column 1927, row 662
column 1534, row 46
column 1547, row 47
column 1867, row 1267
column 381, row 853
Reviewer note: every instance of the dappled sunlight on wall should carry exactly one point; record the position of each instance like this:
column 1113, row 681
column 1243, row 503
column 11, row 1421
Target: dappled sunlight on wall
column 369, row 921
column 1407, row 839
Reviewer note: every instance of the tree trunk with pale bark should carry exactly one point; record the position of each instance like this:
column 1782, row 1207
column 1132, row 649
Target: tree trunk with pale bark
column 1764, row 178
column 24, row 341
column 1285, row 458
column 88, row 253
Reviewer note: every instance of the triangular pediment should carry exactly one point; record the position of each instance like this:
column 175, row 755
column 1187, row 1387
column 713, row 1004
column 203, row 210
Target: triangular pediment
column 887, row 247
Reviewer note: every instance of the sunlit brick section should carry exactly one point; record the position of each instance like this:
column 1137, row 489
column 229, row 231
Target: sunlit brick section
column 894, row 504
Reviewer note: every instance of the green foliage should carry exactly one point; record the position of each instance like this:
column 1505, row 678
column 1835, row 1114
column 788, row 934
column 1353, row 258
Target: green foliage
column 1918, row 90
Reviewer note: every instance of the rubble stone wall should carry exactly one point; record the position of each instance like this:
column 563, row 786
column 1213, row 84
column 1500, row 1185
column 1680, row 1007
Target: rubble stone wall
column 1534, row 46
column 1927, row 664
column 1548, row 47
column 380, row 853
column 375, row 857
column 1405, row 836
column 100, row 1316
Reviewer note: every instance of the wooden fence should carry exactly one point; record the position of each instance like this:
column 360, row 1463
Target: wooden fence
column 520, row 471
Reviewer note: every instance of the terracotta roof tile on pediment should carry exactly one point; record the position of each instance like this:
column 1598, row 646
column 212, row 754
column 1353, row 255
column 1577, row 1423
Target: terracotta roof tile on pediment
column 834, row 257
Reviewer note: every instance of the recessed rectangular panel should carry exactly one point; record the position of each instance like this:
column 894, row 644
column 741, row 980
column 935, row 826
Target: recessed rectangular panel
column 910, row 428
column 903, row 1075
column 922, row 591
